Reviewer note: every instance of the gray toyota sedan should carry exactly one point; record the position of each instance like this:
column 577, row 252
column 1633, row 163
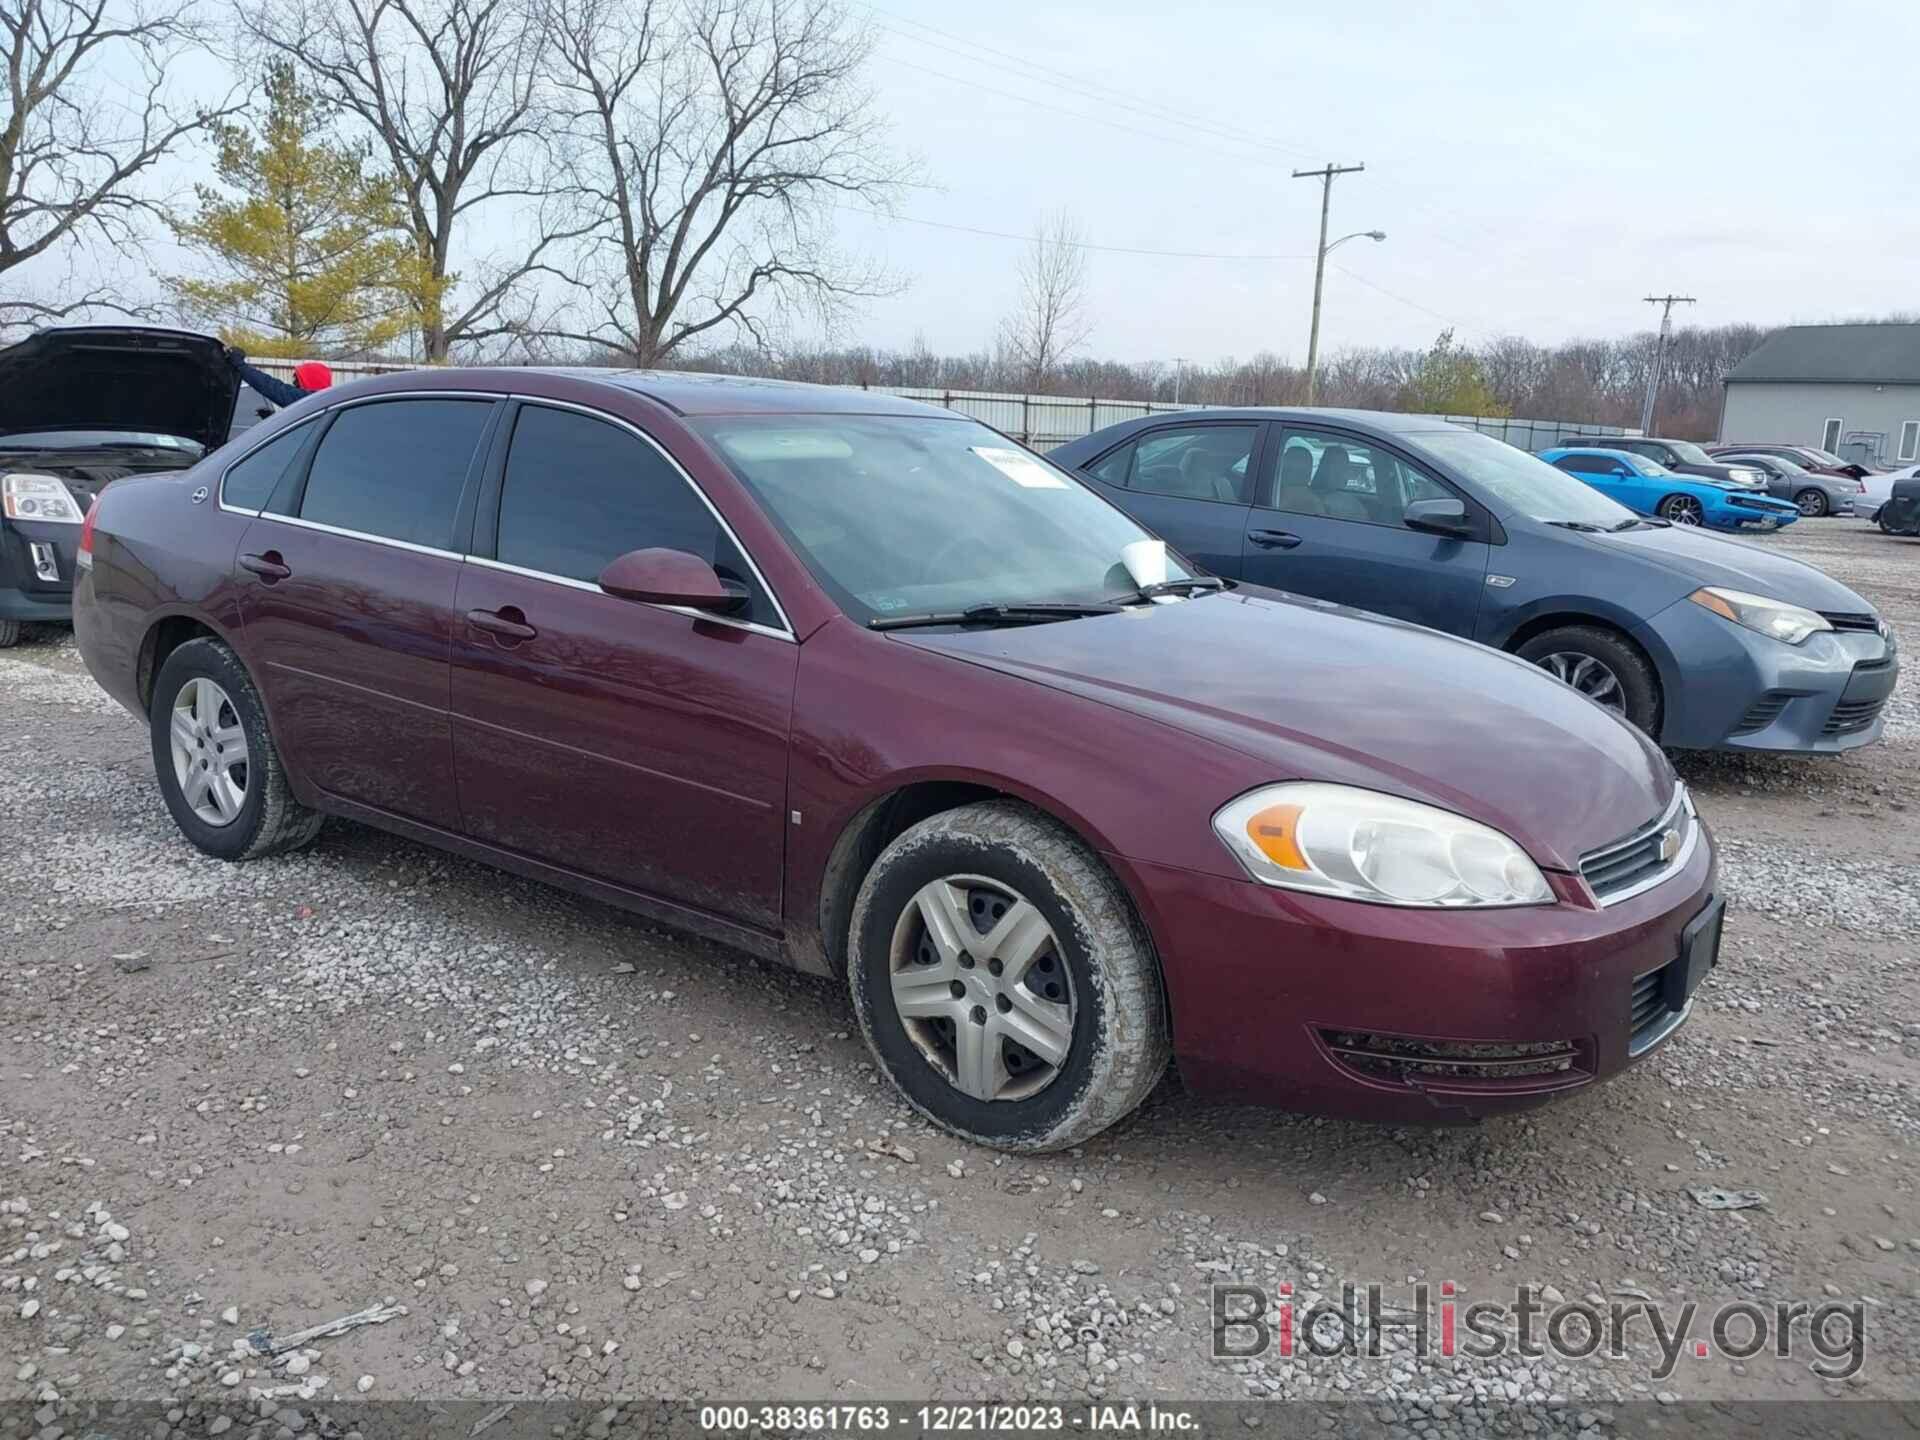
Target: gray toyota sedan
column 1703, row 642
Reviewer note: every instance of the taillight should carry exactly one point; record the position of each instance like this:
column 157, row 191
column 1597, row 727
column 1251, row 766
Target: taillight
column 85, row 555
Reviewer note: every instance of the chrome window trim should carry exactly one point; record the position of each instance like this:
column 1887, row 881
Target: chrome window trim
column 220, row 491
column 1681, row 805
column 346, row 534
column 783, row 631
column 706, row 616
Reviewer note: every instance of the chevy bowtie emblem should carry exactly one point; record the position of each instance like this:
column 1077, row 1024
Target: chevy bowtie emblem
column 1669, row 845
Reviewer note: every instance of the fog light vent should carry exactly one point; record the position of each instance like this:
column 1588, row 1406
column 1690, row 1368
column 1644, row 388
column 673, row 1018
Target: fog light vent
column 1506, row 1064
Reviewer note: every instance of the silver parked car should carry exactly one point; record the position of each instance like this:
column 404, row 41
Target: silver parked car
column 1814, row 493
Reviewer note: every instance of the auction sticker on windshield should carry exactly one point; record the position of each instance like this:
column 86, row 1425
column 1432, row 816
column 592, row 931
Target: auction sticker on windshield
column 1019, row 468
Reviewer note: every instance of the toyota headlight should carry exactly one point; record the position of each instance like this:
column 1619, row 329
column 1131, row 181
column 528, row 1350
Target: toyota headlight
column 1791, row 623
column 1362, row 845
column 25, row 496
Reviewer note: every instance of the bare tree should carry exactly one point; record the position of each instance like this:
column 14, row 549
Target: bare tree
column 449, row 90
column 707, row 142
column 75, row 143
column 1049, row 320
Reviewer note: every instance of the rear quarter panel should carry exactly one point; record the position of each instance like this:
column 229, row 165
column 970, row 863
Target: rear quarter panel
column 156, row 554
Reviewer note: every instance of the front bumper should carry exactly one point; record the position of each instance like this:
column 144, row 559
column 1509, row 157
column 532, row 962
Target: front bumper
column 37, row 570
column 1269, row 987
column 1728, row 688
column 1753, row 512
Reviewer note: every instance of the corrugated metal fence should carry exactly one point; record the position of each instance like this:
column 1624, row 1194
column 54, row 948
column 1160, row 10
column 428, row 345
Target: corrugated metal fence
column 1044, row 421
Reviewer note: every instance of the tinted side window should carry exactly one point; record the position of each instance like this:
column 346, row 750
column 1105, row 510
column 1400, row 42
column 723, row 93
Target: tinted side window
column 579, row 491
column 250, row 484
column 1200, row 462
column 395, row 468
column 1113, row 469
column 1587, row 464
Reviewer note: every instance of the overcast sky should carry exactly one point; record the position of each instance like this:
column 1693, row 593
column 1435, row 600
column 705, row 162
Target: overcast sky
column 1537, row 167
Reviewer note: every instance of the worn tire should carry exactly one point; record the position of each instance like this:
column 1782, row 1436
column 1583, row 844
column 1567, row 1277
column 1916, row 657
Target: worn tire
column 9, row 634
column 1812, row 502
column 1120, row 1042
column 270, row 819
column 1628, row 662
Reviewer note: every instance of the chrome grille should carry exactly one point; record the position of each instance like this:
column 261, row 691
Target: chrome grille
column 1625, row 868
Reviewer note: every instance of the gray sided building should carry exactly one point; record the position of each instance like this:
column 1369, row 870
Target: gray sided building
column 1851, row 389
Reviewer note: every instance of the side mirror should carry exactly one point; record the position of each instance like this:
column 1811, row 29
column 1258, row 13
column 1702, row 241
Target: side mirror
column 671, row 577
column 1440, row 517
column 1620, row 472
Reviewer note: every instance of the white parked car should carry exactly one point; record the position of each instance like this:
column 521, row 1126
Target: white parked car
column 1879, row 489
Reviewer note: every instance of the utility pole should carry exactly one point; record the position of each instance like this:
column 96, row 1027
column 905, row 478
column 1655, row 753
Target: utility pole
column 1666, row 304
column 1179, row 369
column 1325, row 175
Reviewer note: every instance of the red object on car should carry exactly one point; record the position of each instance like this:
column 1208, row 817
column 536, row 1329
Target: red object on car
column 862, row 687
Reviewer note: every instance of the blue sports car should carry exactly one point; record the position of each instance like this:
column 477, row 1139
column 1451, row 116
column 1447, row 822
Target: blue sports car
column 1642, row 485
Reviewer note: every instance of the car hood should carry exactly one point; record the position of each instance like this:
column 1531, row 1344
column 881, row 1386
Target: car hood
column 1694, row 555
column 119, row 377
column 1314, row 691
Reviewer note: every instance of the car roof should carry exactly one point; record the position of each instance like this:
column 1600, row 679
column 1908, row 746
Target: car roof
column 1591, row 450
column 687, row 393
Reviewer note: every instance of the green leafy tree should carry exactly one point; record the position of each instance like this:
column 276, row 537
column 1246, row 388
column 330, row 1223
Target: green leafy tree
column 308, row 250
column 1449, row 380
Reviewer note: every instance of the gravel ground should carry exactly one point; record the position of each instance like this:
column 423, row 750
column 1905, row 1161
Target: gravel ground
column 590, row 1158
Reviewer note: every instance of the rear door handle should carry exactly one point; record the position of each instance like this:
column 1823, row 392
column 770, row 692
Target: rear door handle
column 1274, row 539
column 269, row 567
column 508, row 623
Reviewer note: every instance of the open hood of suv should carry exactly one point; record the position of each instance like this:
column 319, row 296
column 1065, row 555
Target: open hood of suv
column 118, row 377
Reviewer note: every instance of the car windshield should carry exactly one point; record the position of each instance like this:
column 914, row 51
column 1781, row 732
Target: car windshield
column 1521, row 483
column 1644, row 465
column 1826, row 457
column 1689, row 453
column 84, row 439
column 906, row 515
column 1765, row 462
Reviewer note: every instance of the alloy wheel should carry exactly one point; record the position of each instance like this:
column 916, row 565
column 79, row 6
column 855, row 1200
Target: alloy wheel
column 1592, row 678
column 209, row 746
column 981, row 988
column 1683, row 510
column 1812, row 503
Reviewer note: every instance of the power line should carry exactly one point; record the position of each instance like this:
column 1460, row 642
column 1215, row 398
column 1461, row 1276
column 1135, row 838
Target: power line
column 1091, row 89
column 1074, row 244
column 1166, row 139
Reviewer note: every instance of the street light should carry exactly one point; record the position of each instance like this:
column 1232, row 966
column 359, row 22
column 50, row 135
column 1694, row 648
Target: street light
column 1319, row 274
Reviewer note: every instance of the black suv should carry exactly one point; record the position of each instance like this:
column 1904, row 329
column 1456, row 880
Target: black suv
column 1681, row 456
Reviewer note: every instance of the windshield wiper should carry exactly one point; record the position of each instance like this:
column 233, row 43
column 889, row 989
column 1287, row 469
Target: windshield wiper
column 1185, row 585
column 1635, row 522
column 1585, row 527
column 1035, row 614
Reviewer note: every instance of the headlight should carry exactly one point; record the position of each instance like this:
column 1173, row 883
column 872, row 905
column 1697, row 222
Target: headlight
column 38, row 497
column 1782, row 621
column 1749, row 477
column 1361, row 845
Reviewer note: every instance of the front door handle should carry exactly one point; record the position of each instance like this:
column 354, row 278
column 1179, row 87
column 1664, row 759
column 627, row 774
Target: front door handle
column 1274, row 539
column 269, row 567
column 508, row 623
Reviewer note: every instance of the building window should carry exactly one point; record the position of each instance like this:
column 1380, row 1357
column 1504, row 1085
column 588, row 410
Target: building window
column 1910, row 440
column 1830, row 437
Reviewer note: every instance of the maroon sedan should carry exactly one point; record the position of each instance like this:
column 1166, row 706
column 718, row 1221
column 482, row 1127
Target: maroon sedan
column 860, row 686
